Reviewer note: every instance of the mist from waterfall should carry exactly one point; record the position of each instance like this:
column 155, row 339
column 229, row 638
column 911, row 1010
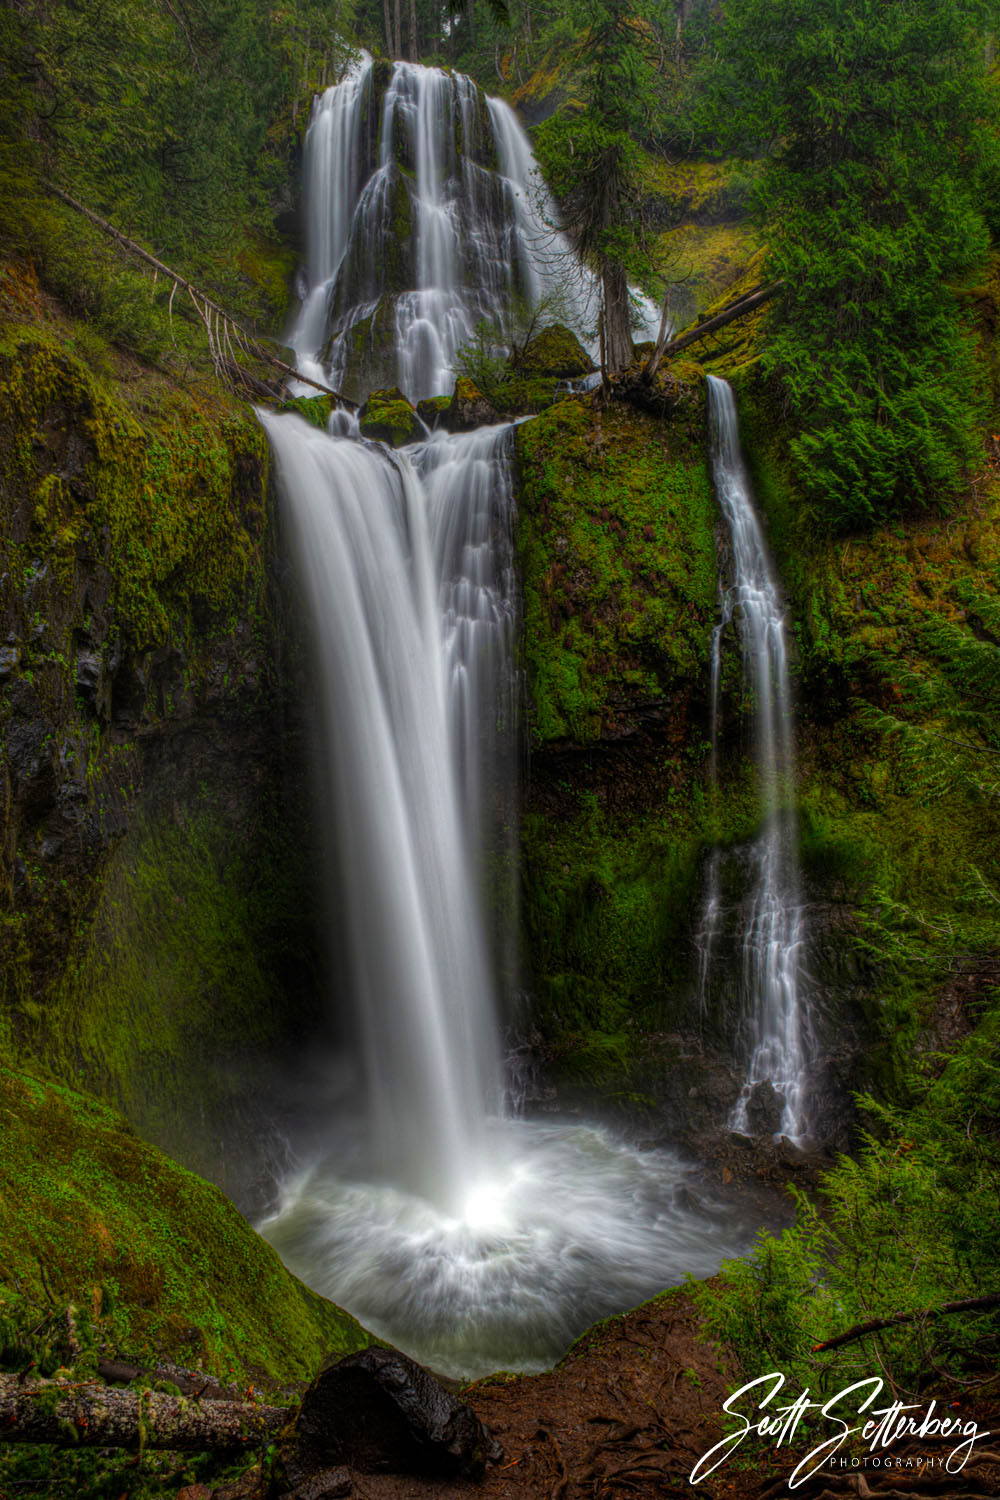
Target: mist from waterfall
column 472, row 1240
column 772, row 1011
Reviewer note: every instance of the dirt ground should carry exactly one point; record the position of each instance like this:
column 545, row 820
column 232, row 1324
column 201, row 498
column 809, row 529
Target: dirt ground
column 630, row 1411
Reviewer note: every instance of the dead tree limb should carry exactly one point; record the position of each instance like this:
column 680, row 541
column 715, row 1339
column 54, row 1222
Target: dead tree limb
column 967, row 1304
column 738, row 309
column 92, row 1415
column 204, row 304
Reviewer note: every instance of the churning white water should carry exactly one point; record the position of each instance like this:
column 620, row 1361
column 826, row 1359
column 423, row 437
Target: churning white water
column 472, row 1240
column 773, row 1013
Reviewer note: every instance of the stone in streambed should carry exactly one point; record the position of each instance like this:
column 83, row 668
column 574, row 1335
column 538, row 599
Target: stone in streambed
column 381, row 1412
column 389, row 417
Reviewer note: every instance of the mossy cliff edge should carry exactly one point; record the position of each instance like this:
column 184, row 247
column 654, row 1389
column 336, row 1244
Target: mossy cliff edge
column 620, row 547
column 155, row 873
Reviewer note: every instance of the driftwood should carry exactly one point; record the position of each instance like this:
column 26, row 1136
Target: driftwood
column 71, row 1414
column 225, row 334
column 748, row 303
column 967, row 1304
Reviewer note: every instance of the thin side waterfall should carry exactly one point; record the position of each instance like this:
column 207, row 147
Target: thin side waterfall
column 775, row 1027
column 473, row 1240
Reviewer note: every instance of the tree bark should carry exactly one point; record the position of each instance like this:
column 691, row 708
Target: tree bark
column 387, row 17
column 94, row 1416
column 397, row 34
column 618, row 349
column 413, row 31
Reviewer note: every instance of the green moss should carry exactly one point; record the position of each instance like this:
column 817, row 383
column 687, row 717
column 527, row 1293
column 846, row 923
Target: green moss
column 617, row 561
column 556, row 351
column 389, row 417
column 315, row 409
column 158, row 1258
column 184, row 980
column 172, row 504
column 431, row 410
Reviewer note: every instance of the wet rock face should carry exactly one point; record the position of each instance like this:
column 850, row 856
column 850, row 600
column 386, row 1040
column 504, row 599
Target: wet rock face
column 148, row 706
column 380, row 1412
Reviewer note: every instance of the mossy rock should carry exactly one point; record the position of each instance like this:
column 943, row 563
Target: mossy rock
column 159, row 1259
column 469, row 408
column 556, row 351
column 433, row 410
column 389, row 417
column 315, row 409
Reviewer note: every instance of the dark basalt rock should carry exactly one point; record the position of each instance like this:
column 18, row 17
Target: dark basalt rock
column 381, row 1412
column 764, row 1109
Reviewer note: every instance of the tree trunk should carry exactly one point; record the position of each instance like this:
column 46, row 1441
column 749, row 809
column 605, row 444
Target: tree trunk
column 618, row 350
column 94, row 1416
column 397, row 33
column 413, row 31
column 387, row 17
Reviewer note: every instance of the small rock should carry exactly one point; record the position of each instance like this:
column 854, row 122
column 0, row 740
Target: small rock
column 433, row 411
column 10, row 658
column 331, row 1484
column 764, row 1109
column 381, row 1412
column 89, row 668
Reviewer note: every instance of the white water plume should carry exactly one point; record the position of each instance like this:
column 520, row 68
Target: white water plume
column 771, row 1003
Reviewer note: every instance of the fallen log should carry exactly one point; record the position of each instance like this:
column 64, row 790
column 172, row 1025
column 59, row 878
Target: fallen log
column 205, row 307
column 737, row 309
column 73, row 1414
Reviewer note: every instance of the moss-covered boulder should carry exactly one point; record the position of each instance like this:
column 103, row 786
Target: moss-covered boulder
column 556, row 351
column 469, row 408
column 389, row 417
column 158, row 1259
column 433, row 411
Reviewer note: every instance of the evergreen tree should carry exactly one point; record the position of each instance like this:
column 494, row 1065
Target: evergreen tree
column 880, row 132
column 593, row 162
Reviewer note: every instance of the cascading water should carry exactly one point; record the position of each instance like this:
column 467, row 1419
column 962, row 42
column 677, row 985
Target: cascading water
column 773, row 1013
column 472, row 1240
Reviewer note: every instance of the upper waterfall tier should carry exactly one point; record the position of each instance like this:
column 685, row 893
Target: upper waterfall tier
column 426, row 213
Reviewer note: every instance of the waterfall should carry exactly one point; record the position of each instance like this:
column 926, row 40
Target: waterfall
column 472, row 1240
column 771, row 1005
